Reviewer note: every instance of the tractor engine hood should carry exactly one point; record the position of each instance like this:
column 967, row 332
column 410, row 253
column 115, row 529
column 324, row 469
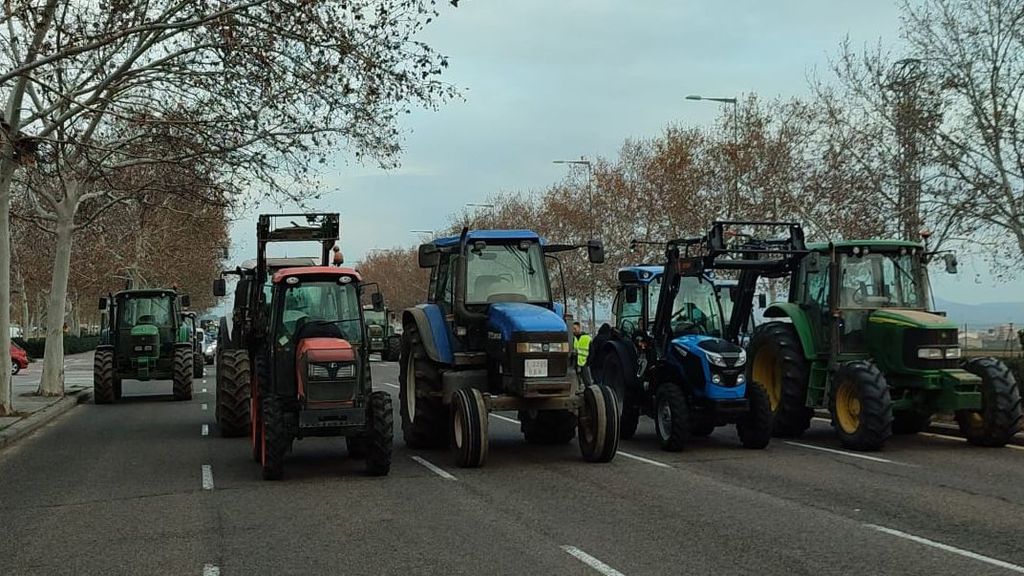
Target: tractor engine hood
column 509, row 318
column 145, row 330
column 911, row 319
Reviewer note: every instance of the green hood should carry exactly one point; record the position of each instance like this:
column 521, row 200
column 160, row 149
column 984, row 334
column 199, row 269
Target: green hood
column 145, row 330
column 910, row 318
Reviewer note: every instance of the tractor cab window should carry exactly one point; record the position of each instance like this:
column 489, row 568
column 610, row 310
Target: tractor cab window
column 319, row 308
column 371, row 316
column 696, row 309
column 628, row 314
column 880, row 281
column 817, row 288
column 156, row 311
column 506, row 273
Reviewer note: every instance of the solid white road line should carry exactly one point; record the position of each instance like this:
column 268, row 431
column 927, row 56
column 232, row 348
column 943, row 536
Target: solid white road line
column 591, row 561
column 203, row 406
column 505, row 418
column 435, row 469
column 947, row 548
column 210, row 570
column 395, row 386
column 207, row 477
column 843, row 453
column 959, row 439
column 206, row 429
column 644, row 460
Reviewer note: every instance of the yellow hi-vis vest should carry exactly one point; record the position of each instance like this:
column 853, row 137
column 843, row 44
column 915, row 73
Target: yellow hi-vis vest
column 582, row 345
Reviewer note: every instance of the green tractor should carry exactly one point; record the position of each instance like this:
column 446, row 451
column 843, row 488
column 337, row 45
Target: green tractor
column 856, row 337
column 383, row 337
column 143, row 337
column 198, row 337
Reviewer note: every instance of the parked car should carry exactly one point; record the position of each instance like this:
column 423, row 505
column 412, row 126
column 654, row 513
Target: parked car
column 19, row 358
column 210, row 348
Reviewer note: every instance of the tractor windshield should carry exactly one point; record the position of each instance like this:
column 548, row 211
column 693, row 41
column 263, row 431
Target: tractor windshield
column 506, row 273
column 696, row 309
column 324, row 308
column 154, row 310
column 374, row 316
column 880, row 281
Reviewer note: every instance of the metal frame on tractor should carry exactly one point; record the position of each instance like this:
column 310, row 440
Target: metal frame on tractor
column 874, row 354
column 462, row 359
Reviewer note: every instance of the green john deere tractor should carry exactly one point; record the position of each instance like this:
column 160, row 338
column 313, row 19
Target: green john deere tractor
column 383, row 337
column 143, row 337
column 857, row 337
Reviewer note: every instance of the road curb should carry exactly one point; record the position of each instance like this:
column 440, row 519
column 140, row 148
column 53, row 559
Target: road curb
column 40, row 418
column 937, row 428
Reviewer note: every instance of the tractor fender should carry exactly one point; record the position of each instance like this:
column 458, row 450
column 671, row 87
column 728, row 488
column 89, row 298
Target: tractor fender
column 626, row 354
column 798, row 317
column 429, row 321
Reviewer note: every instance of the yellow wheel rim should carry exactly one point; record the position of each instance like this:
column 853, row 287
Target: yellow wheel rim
column 768, row 373
column 848, row 407
column 976, row 421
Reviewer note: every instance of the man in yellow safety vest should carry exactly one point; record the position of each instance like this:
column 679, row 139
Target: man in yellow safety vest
column 581, row 349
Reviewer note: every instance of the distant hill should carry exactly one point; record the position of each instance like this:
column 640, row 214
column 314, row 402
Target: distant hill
column 983, row 315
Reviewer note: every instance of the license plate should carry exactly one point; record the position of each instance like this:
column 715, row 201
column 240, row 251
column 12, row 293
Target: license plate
column 536, row 368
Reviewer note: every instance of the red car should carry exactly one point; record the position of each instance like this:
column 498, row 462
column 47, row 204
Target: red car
column 19, row 359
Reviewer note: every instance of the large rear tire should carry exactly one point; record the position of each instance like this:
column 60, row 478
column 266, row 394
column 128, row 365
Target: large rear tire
column 755, row 427
column 380, row 429
column 103, row 376
column 424, row 417
column 671, row 417
column 1000, row 415
column 233, row 383
column 630, row 421
column 861, row 406
column 777, row 362
column 469, row 428
column 182, row 373
column 276, row 438
column 598, row 424
column 393, row 349
column 260, row 372
column 548, row 426
column 198, row 366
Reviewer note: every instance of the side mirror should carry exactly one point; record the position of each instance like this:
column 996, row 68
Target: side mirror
column 595, row 251
column 429, row 256
column 377, row 299
column 951, row 263
column 185, row 301
column 220, row 287
column 762, row 301
column 632, row 294
column 103, row 304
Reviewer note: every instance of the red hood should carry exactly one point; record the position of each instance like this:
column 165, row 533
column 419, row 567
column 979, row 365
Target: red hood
column 320, row 350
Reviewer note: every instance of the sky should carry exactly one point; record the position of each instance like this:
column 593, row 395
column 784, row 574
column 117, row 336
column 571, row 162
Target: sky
column 560, row 79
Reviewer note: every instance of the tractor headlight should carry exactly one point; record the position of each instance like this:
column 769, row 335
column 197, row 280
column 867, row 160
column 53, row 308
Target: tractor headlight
column 716, row 379
column 138, row 348
column 541, row 347
column 716, row 359
column 930, row 353
column 147, row 348
column 740, row 379
column 953, row 353
column 742, row 359
column 317, row 372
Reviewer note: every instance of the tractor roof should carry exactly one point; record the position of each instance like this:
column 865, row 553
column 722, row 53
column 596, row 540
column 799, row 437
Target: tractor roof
column 643, row 274
column 880, row 245
column 146, row 292
column 316, row 271
column 278, row 263
column 485, row 235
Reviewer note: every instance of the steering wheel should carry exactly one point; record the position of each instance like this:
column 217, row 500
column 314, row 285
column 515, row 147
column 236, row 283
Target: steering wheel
column 627, row 327
column 859, row 294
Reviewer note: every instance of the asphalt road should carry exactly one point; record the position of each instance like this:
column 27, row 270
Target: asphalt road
column 147, row 486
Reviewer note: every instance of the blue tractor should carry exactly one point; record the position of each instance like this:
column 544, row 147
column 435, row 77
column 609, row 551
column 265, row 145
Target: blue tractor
column 667, row 356
column 490, row 337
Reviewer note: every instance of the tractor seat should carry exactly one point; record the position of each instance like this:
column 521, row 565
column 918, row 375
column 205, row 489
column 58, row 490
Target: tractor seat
column 147, row 319
column 482, row 287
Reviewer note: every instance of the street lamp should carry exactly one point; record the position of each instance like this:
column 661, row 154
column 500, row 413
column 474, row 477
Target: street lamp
column 735, row 143
column 590, row 209
column 475, row 206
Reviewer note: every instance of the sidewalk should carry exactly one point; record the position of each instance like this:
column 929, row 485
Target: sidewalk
column 35, row 411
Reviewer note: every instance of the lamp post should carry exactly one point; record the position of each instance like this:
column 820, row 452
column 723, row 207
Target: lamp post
column 590, row 209
column 735, row 144
column 474, row 206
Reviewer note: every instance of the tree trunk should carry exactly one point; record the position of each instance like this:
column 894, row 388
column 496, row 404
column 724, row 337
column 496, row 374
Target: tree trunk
column 7, row 167
column 52, row 381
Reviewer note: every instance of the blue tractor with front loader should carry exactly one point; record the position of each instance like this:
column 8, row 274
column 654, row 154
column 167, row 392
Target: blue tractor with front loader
column 490, row 337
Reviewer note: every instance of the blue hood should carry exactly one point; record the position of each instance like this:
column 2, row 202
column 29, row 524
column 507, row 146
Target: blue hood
column 509, row 317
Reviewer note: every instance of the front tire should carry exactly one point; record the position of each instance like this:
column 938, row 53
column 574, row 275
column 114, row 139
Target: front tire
column 469, row 428
column 233, row 390
column 861, row 406
column 103, row 376
column 777, row 362
column 1000, row 415
column 198, row 367
column 671, row 417
column 755, row 428
column 424, row 416
column 380, row 429
column 182, row 373
column 598, row 424
column 275, row 437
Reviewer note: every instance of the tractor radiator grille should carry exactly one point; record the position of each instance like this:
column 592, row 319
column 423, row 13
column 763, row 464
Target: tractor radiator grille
column 332, row 383
column 145, row 345
column 375, row 330
column 915, row 338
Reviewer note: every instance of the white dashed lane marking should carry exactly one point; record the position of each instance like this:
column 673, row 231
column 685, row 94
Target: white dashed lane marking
column 948, row 548
column 206, row 430
column 845, row 453
column 207, row 477
column 433, row 468
column 591, row 561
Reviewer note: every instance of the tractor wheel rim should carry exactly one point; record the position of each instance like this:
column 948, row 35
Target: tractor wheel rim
column 848, row 407
column 410, row 388
column 664, row 419
column 768, row 373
